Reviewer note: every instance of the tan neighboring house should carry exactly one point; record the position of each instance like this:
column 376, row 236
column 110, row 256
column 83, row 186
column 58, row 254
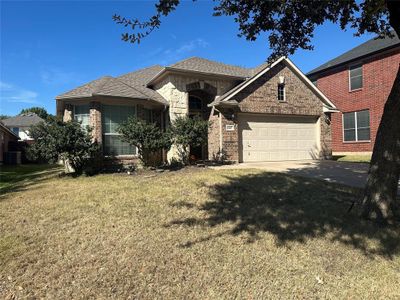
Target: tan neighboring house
column 6, row 136
column 268, row 113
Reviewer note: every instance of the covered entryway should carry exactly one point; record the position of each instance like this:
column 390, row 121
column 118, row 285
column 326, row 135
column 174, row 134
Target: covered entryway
column 277, row 138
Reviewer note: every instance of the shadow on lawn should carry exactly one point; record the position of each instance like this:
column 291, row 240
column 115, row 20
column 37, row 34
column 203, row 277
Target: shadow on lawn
column 22, row 177
column 292, row 209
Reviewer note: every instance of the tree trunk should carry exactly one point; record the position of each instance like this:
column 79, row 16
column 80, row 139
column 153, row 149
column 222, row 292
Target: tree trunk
column 381, row 190
column 380, row 193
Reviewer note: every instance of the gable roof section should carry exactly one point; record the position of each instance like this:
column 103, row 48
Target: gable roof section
column 371, row 46
column 328, row 105
column 24, row 120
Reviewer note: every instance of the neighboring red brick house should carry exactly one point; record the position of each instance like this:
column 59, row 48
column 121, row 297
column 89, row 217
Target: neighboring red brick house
column 358, row 82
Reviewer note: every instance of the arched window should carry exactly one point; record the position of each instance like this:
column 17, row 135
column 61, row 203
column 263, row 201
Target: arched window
column 194, row 103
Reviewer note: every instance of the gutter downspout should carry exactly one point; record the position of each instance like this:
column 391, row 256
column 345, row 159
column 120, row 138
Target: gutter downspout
column 163, row 127
column 220, row 130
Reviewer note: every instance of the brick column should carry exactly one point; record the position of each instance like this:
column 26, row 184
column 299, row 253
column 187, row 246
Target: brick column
column 95, row 121
column 68, row 113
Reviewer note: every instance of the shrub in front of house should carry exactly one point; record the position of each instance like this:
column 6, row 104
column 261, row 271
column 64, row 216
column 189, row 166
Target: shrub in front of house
column 148, row 138
column 66, row 141
column 188, row 132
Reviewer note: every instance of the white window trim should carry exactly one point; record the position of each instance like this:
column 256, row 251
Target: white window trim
column 284, row 92
column 356, row 128
column 362, row 76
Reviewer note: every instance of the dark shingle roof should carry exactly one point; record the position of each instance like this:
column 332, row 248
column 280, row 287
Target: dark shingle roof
column 110, row 86
column 369, row 47
column 198, row 64
column 24, row 120
column 134, row 84
column 130, row 85
column 140, row 78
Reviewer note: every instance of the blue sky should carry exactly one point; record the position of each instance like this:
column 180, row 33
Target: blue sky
column 49, row 47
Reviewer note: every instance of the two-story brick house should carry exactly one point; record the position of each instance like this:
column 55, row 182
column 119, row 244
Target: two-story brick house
column 358, row 82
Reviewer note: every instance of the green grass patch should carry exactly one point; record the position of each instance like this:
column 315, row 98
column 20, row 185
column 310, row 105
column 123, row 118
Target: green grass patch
column 12, row 177
column 353, row 158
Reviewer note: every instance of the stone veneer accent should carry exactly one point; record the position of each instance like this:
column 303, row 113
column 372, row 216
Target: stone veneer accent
column 95, row 121
column 68, row 113
column 174, row 89
column 261, row 97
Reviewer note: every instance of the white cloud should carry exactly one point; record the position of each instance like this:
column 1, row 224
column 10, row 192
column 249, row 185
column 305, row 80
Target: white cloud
column 192, row 45
column 173, row 54
column 14, row 94
column 54, row 76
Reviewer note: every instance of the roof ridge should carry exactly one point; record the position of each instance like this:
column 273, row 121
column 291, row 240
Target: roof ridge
column 210, row 60
column 375, row 38
column 138, row 70
column 128, row 85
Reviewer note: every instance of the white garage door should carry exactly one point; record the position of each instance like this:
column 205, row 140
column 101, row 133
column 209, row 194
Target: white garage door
column 275, row 138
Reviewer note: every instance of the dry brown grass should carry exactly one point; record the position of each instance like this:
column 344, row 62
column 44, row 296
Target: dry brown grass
column 192, row 234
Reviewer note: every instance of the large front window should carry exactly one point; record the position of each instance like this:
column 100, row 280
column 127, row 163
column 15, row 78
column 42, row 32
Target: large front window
column 113, row 116
column 356, row 126
column 81, row 114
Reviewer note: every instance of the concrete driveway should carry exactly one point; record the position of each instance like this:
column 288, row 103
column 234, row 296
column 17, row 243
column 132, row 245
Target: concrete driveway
column 352, row 174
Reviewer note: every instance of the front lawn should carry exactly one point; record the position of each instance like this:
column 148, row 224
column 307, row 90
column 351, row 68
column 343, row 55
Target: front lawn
column 14, row 177
column 192, row 233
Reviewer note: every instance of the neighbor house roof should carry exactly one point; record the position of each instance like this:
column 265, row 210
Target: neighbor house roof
column 2, row 126
column 23, row 120
column 371, row 46
column 226, row 98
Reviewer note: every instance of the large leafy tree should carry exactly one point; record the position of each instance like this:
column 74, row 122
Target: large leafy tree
column 40, row 111
column 290, row 25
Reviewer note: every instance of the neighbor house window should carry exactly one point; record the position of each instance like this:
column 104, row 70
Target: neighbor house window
column 281, row 92
column 356, row 126
column 355, row 77
column 112, row 117
column 81, row 114
column 15, row 130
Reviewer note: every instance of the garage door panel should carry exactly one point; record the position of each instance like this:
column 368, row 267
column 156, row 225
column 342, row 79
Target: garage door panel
column 276, row 138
